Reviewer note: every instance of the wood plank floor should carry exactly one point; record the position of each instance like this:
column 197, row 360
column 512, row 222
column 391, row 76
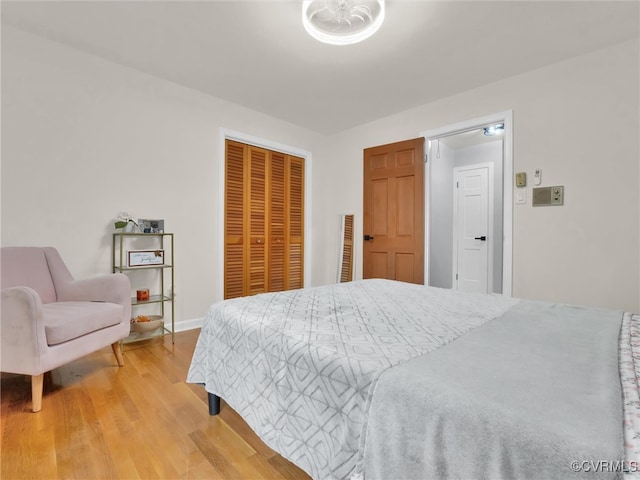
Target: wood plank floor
column 141, row 421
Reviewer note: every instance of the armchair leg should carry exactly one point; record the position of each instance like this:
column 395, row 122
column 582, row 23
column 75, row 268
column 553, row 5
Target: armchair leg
column 118, row 352
column 37, row 382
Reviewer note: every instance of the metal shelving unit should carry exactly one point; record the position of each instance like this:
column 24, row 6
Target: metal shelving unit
column 160, row 300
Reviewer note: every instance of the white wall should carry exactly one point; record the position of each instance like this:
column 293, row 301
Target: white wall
column 83, row 139
column 578, row 120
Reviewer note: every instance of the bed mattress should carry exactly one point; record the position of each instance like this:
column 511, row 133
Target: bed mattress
column 321, row 375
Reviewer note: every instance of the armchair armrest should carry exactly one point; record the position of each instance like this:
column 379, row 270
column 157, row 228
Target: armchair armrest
column 22, row 335
column 114, row 288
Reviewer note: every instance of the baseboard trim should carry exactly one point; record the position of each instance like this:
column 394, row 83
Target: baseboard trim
column 189, row 324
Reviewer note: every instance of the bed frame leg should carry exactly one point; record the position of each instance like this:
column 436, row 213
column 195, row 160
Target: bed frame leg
column 214, row 404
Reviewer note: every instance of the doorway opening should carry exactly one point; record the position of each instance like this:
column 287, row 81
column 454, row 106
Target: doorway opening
column 454, row 248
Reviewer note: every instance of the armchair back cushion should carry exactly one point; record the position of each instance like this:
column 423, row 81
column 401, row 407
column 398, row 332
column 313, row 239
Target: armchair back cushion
column 28, row 267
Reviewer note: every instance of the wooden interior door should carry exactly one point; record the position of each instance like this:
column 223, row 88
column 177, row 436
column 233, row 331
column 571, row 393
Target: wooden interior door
column 393, row 211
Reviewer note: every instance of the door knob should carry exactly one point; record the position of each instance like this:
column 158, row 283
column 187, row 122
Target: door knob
column 483, row 238
column 368, row 237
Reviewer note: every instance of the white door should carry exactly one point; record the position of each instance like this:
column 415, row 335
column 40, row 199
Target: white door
column 472, row 225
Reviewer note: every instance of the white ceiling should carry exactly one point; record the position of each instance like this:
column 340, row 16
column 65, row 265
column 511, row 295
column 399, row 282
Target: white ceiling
column 257, row 53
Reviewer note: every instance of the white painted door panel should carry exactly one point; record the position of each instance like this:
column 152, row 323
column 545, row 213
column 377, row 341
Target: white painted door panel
column 471, row 228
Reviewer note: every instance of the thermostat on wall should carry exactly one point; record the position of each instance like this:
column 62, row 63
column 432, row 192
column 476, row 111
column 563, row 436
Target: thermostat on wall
column 547, row 196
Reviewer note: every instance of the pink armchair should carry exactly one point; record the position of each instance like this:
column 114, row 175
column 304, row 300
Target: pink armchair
column 49, row 319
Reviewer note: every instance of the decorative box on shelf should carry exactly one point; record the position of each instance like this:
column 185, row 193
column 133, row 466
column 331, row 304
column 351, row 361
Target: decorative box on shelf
column 147, row 259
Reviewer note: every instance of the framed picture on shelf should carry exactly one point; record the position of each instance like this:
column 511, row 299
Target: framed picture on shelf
column 145, row 258
column 151, row 226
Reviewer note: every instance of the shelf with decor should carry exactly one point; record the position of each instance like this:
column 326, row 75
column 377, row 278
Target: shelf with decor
column 147, row 259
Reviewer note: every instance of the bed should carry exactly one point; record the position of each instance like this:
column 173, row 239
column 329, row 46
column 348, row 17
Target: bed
column 380, row 379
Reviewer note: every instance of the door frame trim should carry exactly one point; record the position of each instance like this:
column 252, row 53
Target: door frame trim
column 505, row 117
column 227, row 134
column 489, row 232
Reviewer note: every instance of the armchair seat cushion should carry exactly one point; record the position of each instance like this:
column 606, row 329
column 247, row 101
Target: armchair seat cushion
column 64, row 321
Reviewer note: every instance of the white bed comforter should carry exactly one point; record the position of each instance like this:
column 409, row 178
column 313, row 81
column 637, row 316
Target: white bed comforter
column 630, row 378
column 300, row 366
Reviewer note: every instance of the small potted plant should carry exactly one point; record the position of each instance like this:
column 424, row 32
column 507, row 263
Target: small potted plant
column 126, row 222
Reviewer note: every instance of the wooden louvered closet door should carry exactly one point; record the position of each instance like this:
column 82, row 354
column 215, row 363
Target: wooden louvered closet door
column 264, row 221
column 257, row 220
column 234, row 254
column 277, row 216
column 295, row 239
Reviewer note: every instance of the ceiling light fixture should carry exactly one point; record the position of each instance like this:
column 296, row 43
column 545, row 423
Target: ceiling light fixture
column 492, row 130
column 342, row 22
